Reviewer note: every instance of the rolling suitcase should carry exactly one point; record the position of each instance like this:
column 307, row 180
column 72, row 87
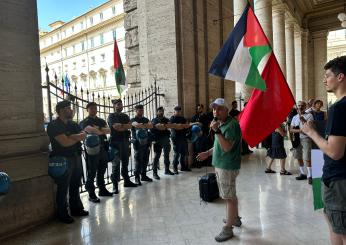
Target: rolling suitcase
column 208, row 189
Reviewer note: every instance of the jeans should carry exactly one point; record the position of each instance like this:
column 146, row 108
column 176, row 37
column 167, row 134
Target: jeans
column 141, row 158
column 160, row 144
column 97, row 166
column 70, row 182
column 180, row 151
column 123, row 154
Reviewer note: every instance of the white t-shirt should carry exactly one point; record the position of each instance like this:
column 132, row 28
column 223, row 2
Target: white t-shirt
column 296, row 122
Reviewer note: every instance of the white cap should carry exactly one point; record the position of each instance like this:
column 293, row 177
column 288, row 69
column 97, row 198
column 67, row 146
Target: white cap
column 219, row 102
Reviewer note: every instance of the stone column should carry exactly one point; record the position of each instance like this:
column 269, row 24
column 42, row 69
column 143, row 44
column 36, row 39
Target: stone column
column 238, row 9
column 290, row 61
column 305, row 62
column 320, row 58
column 22, row 136
column 263, row 11
column 279, row 39
column 298, row 62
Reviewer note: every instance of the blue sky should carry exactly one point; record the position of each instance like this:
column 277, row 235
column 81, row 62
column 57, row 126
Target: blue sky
column 65, row 10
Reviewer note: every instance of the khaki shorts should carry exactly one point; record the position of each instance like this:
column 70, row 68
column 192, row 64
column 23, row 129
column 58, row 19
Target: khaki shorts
column 226, row 182
column 334, row 198
column 303, row 151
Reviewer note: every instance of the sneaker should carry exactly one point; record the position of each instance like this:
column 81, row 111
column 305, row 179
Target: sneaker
column 310, row 180
column 129, row 183
column 137, row 181
column 169, row 172
column 103, row 192
column 237, row 223
column 67, row 219
column 156, row 176
column 80, row 212
column 146, row 178
column 225, row 234
column 93, row 198
column 301, row 177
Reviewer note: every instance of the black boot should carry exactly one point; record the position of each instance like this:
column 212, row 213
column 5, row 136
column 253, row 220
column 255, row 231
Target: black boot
column 115, row 188
column 155, row 175
column 129, row 183
column 168, row 172
column 137, row 180
column 93, row 198
column 103, row 192
column 146, row 178
column 175, row 170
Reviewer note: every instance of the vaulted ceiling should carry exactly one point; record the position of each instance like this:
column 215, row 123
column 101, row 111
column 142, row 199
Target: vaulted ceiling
column 317, row 14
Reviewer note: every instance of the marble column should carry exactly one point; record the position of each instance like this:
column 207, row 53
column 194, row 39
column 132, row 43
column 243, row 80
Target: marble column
column 22, row 136
column 238, row 9
column 320, row 58
column 290, row 61
column 279, row 39
column 263, row 11
column 298, row 61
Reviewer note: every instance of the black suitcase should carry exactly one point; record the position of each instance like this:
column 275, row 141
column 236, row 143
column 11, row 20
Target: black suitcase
column 208, row 189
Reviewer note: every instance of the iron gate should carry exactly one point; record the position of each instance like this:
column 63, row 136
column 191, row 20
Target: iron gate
column 57, row 90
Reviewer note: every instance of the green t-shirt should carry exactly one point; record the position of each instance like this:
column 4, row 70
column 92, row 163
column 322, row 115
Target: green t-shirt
column 228, row 160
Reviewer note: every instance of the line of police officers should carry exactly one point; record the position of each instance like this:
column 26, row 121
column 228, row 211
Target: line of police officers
column 66, row 136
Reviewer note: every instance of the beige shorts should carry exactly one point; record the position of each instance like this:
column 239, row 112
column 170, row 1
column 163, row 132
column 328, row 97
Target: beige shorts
column 303, row 151
column 226, row 181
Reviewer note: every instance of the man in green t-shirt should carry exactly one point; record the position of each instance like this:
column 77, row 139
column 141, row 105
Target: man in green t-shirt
column 226, row 159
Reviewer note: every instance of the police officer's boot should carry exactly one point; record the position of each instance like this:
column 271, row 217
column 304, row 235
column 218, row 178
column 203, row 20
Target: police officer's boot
column 115, row 188
column 138, row 180
column 103, row 192
column 167, row 171
column 175, row 169
column 155, row 175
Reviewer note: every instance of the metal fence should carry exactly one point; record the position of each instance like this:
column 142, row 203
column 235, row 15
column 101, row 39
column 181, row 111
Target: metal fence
column 57, row 90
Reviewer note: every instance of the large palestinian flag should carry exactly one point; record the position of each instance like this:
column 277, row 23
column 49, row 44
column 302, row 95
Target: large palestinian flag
column 247, row 57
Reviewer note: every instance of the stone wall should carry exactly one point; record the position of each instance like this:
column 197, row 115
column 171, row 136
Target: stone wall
column 22, row 137
column 177, row 42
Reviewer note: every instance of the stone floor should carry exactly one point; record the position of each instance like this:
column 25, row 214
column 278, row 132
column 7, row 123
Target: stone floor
column 275, row 210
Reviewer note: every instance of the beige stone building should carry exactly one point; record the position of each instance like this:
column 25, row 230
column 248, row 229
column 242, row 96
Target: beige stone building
column 83, row 48
column 173, row 41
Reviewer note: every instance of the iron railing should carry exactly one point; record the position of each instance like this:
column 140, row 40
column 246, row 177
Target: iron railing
column 57, row 91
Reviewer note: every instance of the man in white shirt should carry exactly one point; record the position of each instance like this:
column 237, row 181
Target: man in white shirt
column 303, row 152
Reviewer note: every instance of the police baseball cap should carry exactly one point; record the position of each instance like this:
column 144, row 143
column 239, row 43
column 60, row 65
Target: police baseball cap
column 61, row 105
column 91, row 104
column 219, row 102
column 177, row 108
column 116, row 101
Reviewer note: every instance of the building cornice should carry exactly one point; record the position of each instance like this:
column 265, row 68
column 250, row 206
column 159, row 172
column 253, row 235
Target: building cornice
column 116, row 19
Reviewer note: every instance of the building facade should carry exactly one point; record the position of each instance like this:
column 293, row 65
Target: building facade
column 83, row 49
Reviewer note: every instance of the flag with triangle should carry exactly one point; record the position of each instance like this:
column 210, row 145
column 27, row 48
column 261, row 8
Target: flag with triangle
column 247, row 57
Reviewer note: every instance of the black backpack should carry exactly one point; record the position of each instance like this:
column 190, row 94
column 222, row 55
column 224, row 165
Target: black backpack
column 208, row 189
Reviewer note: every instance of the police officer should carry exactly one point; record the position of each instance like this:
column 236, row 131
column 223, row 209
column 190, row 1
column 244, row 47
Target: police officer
column 120, row 125
column 97, row 164
column 161, row 135
column 65, row 136
column 179, row 139
column 141, row 146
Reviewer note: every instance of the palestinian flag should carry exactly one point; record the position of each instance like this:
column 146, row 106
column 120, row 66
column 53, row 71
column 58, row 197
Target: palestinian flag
column 120, row 79
column 247, row 57
column 316, row 170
